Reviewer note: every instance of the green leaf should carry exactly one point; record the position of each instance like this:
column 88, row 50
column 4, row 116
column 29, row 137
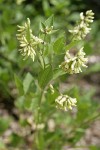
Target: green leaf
column 57, row 73
column 19, row 84
column 49, row 21
column 31, row 102
column 34, row 104
column 27, row 81
column 42, row 26
column 27, row 103
column 70, row 45
column 20, row 103
column 45, row 76
column 58, row 45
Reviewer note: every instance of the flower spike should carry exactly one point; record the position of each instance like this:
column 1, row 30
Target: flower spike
column 28, row 42
column 82, row 29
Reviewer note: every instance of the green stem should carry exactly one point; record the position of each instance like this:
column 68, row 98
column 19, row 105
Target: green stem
column 44, row 44
column 38, row 134
column 41, row 60
column 38, row 114
column 40, row 55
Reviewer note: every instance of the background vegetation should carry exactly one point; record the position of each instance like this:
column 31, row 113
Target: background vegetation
column 63, row 129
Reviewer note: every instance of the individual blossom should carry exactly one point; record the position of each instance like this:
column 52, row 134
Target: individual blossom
column 28, row 42
column 74, row 64
column 82, row 29
column 65, row 102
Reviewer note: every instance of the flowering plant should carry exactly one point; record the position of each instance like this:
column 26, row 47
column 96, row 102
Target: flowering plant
column 44, row 49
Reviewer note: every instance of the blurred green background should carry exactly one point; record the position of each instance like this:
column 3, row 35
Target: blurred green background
column 85, row 87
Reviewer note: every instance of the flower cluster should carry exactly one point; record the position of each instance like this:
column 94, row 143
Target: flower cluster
column 72, row 64
column 28, row 42
column 82, row 29
column 65, row 102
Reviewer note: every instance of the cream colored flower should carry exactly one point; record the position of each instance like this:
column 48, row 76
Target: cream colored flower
column 28, row 42
column 65, row 102
column 74, row 64
column 82, row 29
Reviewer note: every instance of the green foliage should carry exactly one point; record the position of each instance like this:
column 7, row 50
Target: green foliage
column 45, row 76
column 27, row 81
column 59, row 45
column 19, row 85
column 24, row 85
